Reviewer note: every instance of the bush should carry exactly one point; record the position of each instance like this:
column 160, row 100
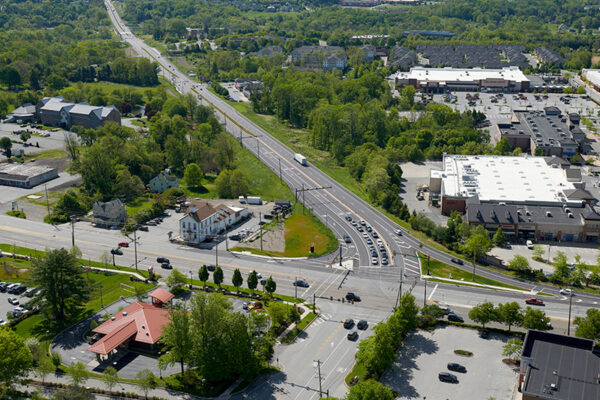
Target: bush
column 17, row 213
column 465, row 353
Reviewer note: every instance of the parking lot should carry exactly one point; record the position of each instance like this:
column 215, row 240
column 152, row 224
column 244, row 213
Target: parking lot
column 414, row 174
column 55, row 140
column 425, row 354
column 5, row 306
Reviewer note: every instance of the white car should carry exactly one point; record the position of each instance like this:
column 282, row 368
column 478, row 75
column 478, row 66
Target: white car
column 529, row 244
column 398, row 232
column 566, row 292
column 374, row 261
column 365, row 235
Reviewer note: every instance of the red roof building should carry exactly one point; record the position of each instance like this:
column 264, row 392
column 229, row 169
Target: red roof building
column 141, row 323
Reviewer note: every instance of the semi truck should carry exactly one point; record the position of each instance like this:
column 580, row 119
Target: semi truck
column 253, row 200
column 301, row 159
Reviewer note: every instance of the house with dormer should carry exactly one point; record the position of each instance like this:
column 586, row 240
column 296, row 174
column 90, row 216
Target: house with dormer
column 109, row 214
column 162, row 182
column 203, row 220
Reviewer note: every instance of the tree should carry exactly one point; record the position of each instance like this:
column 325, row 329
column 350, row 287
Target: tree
column 483, row 313
column 203, row 274
column 16, row 360
column 252, row 280
column 370, row 390
column 6, row 145
column 77, row 373
column 512, row 349
column 589, row 326
column 177, row 337
column 44, row 368
column 193, row 175
column 519, row 264
column 561, row 269
column 477, row 245
column 72, row 392
column 535, row 319
column 538, row 252
column 10, row 76
column 62, row 282
column 176, row 280
column 270, row 286
column 218, row 276
column 237, row 279
column 110, row 378
column 33, row 344
column 499, row 238
column 146, row 380
column 510, row 314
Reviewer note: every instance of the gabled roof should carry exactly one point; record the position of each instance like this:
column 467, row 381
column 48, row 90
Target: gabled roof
column 107, row 110
column 590, row 215
column 201, row 211
column 86, row 109
column 145, row 321
column 162, row 295
column 578, row 194
column 56, row 104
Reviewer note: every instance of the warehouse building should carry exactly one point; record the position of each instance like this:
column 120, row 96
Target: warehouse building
column 593, row 77
column 26, row 175
column 528, row 181
column 509, row 79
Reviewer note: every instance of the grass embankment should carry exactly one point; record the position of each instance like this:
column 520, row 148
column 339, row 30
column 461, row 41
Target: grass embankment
column 443, row 270
column 300, row 326
column 45, row 154
column 232, row 289
column 301, row 231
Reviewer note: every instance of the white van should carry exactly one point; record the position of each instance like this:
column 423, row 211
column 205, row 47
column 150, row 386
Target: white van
column 529, row 244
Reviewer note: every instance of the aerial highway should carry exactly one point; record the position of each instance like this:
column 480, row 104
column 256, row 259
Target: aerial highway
column 332, row 203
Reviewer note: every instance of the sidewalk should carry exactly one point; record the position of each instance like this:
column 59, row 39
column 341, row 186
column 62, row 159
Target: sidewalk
column 478, row 284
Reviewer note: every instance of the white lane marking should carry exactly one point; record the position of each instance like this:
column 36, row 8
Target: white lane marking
column 433, row 291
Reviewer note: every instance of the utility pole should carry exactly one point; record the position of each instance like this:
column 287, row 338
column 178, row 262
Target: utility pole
column 296, row 288
column 340, row 256
column 427, row 264
column 569, row 323
column 319, row 369
column 258, row 148
column 217, row 251
column 72, row 231
column 314, row 303
column 47, row 200
column 425, row 293
column 261, row 231
column 135, row 248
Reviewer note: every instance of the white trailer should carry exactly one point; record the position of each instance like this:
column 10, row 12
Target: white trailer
column 254, row 200
column 300, row 159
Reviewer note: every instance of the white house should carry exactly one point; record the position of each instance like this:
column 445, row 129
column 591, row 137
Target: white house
column 203, row 219
column 162, row 182
column 111, row 213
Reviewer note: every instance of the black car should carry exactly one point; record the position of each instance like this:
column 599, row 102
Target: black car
column 457, row 367
column 375, row 235
column 457, row 261
column 352, row 297
column 263, row 281
column 347, row 239
column 211, row 267
column 362, row 325
column 353, row 335
column 162, row 260
column 374, row 254
column 447, row 377
column 484, row 333
column 369, row 229
column 455, row 318
column 301, row 283
column 348, row 323
column 143, row 228
column 166, row 266
column 116, row 252
column 348, row 218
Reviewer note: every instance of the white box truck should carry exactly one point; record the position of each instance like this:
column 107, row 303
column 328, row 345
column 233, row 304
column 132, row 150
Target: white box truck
column 242, row 199
column 301, row 159
column 254, row 200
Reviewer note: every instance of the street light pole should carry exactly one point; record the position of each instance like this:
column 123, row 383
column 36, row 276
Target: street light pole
column 135, row 248
column 72, row 231
column 217, row 252
column 569, row 322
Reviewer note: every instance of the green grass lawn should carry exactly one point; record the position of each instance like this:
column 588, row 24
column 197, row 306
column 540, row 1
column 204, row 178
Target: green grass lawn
column 291, row 335
column 443, row 270
column 53, row 197
column 143, row 202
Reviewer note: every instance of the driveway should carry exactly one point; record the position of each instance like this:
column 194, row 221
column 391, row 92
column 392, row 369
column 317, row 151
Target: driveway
column 424, row 354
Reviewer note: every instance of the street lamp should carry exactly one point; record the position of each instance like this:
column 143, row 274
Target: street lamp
column 569, row 322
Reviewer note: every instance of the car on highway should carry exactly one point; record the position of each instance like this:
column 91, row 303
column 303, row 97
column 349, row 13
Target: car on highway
column 374, row 254
column 365, row 235
column 116, row 252
column 211, row 267
column 362, row 325
column 354, row 223
column 13, row 300
column 384, row 261
column 352, row 297
column 161, row 260
column 166, row 266
column 369, row 229
column 353, row 336
column 348, row 218
column 534, row 301
column 362, row 222
column 375, row 235
column 123, row 244
column 457, row 261
column 447, row 377
column 369, row 241
column 301, row 283
column 455, row 318
column 360, row 229
column 374, row 261
column 347, row 238
column 348, row 323
column 398, row 232
column 566, row 292
column 457, row 367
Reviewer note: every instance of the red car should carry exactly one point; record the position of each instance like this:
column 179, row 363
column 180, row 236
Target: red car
column 534, row 301
column 124, row 244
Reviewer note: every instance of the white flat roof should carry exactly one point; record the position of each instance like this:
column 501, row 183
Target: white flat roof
column 461, row 74
column 592, row 75
column 504, row 178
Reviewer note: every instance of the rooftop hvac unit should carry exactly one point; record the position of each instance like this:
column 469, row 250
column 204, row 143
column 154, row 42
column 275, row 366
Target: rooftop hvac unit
column 548, row 214
column 571, row 215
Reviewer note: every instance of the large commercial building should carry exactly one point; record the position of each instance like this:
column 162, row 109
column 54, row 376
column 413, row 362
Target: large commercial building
column 26, row 175
column 593, row 77
column 549, row 131
column 55, row 111
column 509, row 79
column 559, row 367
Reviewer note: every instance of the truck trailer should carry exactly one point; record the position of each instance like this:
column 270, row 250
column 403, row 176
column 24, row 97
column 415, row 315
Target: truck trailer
column 300, row 159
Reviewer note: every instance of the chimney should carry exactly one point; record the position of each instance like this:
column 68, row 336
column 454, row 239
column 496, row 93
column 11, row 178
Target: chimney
column 124, row 313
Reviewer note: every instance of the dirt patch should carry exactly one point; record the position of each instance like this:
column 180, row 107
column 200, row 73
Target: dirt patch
column 272, row 239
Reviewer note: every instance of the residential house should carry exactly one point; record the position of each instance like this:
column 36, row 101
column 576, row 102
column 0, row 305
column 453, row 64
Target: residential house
column 25, row 113
column 111, row 213
column 320, row 57
column 269, row 51
column 203, row 220
column 139, row 325
column 368, row 51
column 162, row 182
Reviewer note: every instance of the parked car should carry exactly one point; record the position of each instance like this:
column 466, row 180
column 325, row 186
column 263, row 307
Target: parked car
column 374, row 261
column 211, row 267
column 352, row 297
column 143, row 228
column 166, row 266
column 447, row 377
column 455, row 318
column 116, row 252
column 534, row 301
column 13, row 300
column 301, row 283
column 375, row 235
column 245, row 305
column 124, row 244
column 484, row 333
column 457, row 261
column 384, row 261
column 529, row 244
column 161, row 260
column 362, row 222
column 362, row 325
column 457, row 367
column 566, row 292
column 447, row 310
column 348, row 323
column 353, row 336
